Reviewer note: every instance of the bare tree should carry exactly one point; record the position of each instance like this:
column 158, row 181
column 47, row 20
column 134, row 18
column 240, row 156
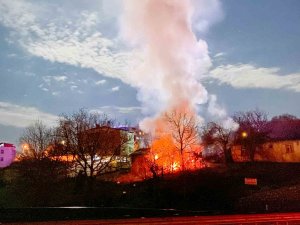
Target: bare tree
column 284, row 126
column 36, row 140
column 214, row 134
column 37, row 169
column 91, row 143
column 184, row 129
column 285, row 117
column 253, row 130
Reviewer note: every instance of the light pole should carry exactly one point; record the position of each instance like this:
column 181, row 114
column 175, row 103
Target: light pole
column 244, row 135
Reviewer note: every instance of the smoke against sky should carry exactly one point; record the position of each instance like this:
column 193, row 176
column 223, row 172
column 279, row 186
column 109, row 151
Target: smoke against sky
column 57, row 57
column 173, row 60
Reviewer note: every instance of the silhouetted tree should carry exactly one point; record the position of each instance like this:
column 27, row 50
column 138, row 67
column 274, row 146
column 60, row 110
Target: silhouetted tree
column 253, row 130
column 91, row 143
column 35, row 141
column 284, row 126
column 214, row 134
column 285, row 117
column 184, row 129
column 37, row 169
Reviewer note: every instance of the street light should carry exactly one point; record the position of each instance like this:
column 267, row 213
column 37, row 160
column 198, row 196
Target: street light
column 244, row 134
column 25, row 146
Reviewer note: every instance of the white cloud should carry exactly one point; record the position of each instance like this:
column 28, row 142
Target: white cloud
column 55, row 93
column 219, row 54
column 45, row 89
column 250, row 76
column 47, row 80
column 100, row 82
column 11, row 15
column 73, row 87
column 60, row 78
column 67, row 37
column 23, row 116
column 52, row 82
column 12, row 55
column 131, row 114
column 117, row 88
column 118, row 109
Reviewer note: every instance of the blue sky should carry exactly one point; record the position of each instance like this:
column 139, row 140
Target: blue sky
column 59, row 56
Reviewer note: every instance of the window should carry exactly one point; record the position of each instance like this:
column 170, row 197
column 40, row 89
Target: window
column 289, row 149
column 243, row 152
column 2, row 151
column 270, row 146
column 1, row 159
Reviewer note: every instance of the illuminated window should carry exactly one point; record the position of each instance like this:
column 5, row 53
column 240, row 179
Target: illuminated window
column 2, row 151
column 289, row 149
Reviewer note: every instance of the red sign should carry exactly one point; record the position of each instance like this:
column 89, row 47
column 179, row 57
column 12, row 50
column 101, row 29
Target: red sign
column 250, row 181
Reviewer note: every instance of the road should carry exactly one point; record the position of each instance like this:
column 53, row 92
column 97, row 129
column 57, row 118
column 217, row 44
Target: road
column 257, row 219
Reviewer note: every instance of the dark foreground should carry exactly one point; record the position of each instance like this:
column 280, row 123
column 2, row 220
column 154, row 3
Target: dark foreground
column 257, row 219
column 17, row 215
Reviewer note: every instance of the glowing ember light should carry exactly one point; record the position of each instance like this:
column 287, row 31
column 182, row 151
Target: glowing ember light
column 172, row 63
column 25, row 146
column 244, row 134
column 175, row 166
column 63, row 142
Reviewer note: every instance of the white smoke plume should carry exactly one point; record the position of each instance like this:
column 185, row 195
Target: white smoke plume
column 164, row 60
column 172, row 61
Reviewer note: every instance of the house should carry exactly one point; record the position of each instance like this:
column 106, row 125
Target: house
column 103, row 147
column 283, row 144
column 117, row 142
column 273, row 151
column 7, row 154
column 108, row 148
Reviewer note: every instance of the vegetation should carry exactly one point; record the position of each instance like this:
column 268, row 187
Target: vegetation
column 212, row 189
column 214, row 134
column 184, row 130
column 253, row 130
column 42, row 178
column 89, row 141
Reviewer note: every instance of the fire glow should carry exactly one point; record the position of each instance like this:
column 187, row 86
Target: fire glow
column 168, row 80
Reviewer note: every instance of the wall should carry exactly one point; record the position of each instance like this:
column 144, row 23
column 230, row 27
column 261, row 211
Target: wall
column 7, row 155
column 277, row 151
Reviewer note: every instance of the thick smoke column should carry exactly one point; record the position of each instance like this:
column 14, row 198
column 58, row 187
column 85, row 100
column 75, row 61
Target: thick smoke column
column 172, row 60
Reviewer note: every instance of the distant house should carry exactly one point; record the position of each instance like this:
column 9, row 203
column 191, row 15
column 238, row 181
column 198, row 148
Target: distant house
column 113, row 148
column 273, row 151
column 7, row 154
column 114, row 145
column 283, row 144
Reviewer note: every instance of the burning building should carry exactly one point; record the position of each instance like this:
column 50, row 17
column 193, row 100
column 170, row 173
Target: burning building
column 168, row 78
